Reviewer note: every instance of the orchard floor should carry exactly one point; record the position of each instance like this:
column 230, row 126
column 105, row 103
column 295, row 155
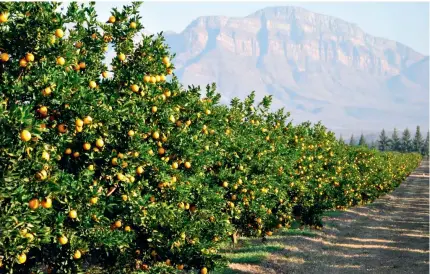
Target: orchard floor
column 390, row 235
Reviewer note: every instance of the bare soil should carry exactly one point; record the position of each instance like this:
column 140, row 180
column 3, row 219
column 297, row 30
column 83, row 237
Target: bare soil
column 390, row 235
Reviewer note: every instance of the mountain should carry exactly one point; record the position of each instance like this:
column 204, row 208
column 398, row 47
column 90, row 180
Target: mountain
column 318, row 67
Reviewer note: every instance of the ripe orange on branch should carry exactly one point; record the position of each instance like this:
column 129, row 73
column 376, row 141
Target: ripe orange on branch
column 59, row 33
column 33, row 204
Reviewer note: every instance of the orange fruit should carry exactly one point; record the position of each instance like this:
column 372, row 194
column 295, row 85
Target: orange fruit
column 78, row 45
column 167, row 93
column 47, row 203
column 61, row 61
column 154, row 109
column 33, row 204
column 133, row 25
column 127, row 228
column 121, row 56
column 131, row 133
column 92, row 84
column 25, row 135
column 180, row 266
column 79, row 129
column 134, row 88
column 100, row 143
column 23, row 63
column 73, row 214
column 82, row 65
column 166, row 60
column 77, row 255
column 118, row 224
column 62, row 240
column 88, row 120
column 175, row 165
column 29, row 57
column 43, row 110
column 79, row 122
column 59, row 33
column 225, row 184
column 45, row 156
column 156, row 135
column 87, row 146
column 94, row 200
column 204, row 270
column 139, row 170
column 46, row 91
column 4, row 57
column 21, row 258
column 68, row 151
column 187, row 165
column 3, row 18
column 112, row 19
column 153, row 79
column 105, row 74
column 161, row 151
column 29, row 236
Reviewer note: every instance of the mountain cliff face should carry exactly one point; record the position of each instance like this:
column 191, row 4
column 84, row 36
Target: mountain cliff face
column 316, row 66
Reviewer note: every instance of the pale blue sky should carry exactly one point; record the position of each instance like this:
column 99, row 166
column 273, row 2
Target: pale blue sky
column 405, row 22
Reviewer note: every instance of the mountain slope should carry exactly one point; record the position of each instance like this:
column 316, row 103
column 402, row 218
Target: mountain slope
column 316, row 66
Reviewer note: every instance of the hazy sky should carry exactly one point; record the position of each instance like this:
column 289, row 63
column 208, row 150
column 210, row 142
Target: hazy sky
column 407, row 23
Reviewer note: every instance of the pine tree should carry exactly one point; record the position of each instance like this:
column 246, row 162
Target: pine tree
column 352, row 141
column 417, row 143
column 362, row 141
column 383, row 141
column 395, row 143
column 425, row 147
column 406, row 143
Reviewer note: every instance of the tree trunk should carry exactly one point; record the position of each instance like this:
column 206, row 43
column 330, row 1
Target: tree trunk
column 234, row 237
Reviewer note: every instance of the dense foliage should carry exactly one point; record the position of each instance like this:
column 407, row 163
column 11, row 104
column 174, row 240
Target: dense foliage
column 128, row 171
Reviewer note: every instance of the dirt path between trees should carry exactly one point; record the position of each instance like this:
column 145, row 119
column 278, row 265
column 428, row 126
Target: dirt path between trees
column 390, row 235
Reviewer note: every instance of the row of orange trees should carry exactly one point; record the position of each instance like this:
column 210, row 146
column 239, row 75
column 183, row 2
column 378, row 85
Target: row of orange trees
column 126, row 170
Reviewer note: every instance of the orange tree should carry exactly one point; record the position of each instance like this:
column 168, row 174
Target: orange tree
column 254, row 162
column 99, row 167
